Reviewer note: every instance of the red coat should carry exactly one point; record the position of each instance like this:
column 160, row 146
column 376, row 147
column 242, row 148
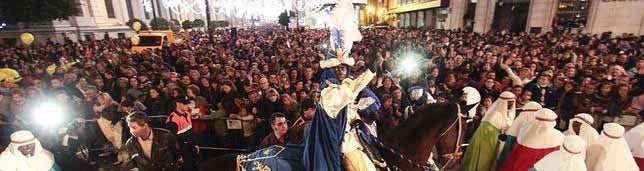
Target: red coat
column 640, row 162
column 522, row 158
column 198, row 125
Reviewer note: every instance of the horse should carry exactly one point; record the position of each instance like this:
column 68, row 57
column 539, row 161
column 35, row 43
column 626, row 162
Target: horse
column 437, row 125
column 408, row 146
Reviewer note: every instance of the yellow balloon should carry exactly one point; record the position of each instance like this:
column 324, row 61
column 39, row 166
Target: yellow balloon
column 27, row 38
column 135, row 39
column 136, row 26
column 8, row 74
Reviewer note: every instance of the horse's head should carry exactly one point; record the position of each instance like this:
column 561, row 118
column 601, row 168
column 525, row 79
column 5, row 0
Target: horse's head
column 468, row 98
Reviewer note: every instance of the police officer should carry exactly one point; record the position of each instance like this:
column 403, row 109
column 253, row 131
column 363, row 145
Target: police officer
column 179, row 122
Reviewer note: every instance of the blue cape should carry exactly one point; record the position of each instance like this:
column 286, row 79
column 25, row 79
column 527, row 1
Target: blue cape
column 322, row 144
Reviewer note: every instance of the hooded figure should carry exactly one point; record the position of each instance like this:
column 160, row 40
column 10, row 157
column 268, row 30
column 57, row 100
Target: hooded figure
column 472, row 97
column 534, row 142
column 418, row 96
column 524, row 119
column 482, row 151
column 25, row 153
column 331, row 141
column 582, row 125
column 635, row 139
column 610, row 151
column 368, row 106
column 569, row 157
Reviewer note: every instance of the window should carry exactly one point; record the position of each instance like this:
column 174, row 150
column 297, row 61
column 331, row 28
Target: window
column 89, row 37
column 572, row 14
column 421, row 18
column 110, row 9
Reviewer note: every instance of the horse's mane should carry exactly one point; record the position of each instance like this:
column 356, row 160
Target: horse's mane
column 424, row 118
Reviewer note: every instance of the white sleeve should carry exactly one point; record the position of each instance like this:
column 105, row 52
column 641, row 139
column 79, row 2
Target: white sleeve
column 515, row 79
column 361, row 81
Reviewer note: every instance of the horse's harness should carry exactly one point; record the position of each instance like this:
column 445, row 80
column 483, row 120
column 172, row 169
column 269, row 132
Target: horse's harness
column 451, row 156
column 457, row 149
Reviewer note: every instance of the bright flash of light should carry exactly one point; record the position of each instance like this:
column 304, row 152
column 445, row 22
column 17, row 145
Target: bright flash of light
column 48, row 114
column 409, row 65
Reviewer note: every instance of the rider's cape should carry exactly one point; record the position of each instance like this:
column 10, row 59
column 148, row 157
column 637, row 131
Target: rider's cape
column 277, row 157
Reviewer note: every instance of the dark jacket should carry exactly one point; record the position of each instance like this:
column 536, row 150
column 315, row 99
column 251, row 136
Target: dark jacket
column 165, row 152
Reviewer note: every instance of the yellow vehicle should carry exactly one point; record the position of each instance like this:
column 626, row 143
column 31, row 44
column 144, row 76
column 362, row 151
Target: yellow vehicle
column 153, row 39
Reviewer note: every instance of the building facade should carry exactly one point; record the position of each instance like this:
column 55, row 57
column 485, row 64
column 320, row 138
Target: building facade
column 536, row 16
column 97, row 19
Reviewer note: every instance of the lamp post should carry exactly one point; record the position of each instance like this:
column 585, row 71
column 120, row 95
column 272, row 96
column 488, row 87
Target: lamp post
column 208, row 21
column 154, row 13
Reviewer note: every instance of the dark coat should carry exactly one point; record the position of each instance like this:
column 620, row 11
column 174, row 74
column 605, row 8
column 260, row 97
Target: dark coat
column 165, row 152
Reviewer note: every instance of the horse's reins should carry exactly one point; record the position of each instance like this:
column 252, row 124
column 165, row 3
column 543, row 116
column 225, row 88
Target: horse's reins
column 456, row 153
column 451, row 156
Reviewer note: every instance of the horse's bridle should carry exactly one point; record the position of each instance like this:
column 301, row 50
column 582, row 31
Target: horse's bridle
column 450, row 156
column 457, row 150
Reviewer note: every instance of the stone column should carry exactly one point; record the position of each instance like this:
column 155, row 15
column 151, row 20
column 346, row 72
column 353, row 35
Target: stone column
column 137, row 9
column 457, row 11
column 484, row 15
column 541, row 14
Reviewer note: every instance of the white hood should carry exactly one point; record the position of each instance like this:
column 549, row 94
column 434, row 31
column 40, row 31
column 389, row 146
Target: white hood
column 569, row 157
column 541, row 133
column 502, row 111
column 13, row 159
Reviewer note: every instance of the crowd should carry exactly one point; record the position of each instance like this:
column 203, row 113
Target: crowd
column 258, row 75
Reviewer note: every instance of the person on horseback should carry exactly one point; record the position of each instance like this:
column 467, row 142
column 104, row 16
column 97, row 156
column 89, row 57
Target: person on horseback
column 418, row 96
column 331, row 143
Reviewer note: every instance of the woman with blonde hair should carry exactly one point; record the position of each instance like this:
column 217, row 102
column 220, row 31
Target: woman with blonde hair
column 109, row 121
column 291, row 106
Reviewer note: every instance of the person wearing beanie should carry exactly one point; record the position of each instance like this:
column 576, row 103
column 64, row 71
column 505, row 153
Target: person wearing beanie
column 610, row 151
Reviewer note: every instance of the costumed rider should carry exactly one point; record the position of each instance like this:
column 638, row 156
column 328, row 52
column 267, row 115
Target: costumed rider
column 481, row 153
column 25, row 153
column 368, row 106
column 331, row 145
column 418, row 96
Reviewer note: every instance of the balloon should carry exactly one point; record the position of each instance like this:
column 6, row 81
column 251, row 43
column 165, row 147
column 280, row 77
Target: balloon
column 27, row 38
column 135, row 39
column 8, row 74
column 136, row 26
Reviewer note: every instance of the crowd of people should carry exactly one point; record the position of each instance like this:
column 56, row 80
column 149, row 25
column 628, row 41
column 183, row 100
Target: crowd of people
column 249, row 89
